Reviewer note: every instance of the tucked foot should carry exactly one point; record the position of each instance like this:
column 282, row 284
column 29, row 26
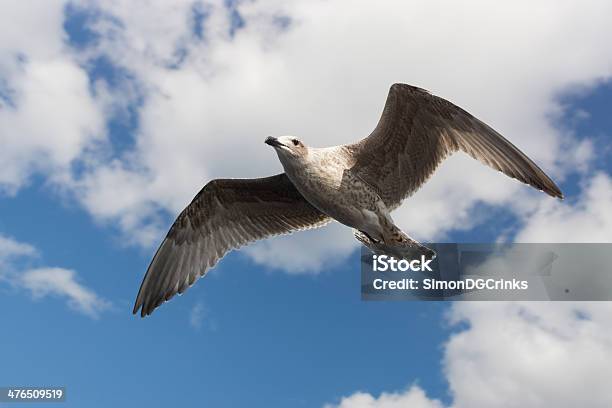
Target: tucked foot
column 367, row 237
column 398, row 245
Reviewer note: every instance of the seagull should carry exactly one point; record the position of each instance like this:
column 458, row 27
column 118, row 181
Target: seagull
column 356, row 184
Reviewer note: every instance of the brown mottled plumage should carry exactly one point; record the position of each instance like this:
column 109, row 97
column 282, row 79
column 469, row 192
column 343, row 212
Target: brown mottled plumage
column 224, row 215
column 418, row 130
column 357, row 185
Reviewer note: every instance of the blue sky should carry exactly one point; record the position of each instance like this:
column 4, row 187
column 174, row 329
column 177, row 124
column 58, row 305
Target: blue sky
column 264, row 328
column 282, row 340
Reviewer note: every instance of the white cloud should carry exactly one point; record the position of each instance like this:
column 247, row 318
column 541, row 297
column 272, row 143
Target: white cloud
column 61, row 282
column 11, row 249
column 208, row 117
column 208, row 103
column 51, row 117
column 589, row 219
column 46, row 281
column 309, row 251
column 413, row 397
column 530, row 354
column 519, row 354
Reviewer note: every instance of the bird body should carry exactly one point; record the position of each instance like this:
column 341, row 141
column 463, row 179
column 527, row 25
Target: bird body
column 357, row 185
column 324, row 177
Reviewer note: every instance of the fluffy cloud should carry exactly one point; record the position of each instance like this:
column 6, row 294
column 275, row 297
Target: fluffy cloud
column 11, row 249
column 588, row 219
column 215, row 79
column 205, row 114
column 289, row 253
column 61, row 282
column 46, row 281
column 521, row 354
column 512, row 354
column 48, row 116
column 413, row 397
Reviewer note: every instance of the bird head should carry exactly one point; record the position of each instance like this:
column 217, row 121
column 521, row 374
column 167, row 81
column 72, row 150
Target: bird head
column 288, row 147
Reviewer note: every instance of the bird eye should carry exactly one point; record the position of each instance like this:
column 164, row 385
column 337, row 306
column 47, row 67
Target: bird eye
column 295, row 142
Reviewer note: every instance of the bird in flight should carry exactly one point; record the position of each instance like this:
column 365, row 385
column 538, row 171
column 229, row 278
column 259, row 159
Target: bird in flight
column 356, row 184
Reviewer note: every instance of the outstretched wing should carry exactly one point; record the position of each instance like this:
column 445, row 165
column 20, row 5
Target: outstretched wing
column 226, row 214
column 417, row 131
